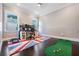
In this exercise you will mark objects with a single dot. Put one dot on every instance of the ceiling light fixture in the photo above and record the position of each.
(39, 4)
(18, 4)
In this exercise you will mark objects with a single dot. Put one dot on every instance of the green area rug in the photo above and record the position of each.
(61, 48)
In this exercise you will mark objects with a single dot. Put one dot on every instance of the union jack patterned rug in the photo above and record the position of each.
(18, 47)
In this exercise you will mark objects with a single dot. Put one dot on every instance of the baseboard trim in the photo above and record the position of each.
(67, 38)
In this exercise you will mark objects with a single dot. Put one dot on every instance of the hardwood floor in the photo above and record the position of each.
(38, 50)
(75, 49)
(4, 48)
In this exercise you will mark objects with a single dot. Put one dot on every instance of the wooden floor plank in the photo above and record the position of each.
(38, 50)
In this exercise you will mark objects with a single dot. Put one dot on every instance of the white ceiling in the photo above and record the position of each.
(33, 9)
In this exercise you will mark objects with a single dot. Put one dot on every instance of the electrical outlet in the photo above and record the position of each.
(62, 34)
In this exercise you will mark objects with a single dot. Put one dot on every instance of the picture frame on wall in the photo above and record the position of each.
(11, 23)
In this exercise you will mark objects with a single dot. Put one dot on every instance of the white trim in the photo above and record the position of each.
(0, 44)
(71, 39)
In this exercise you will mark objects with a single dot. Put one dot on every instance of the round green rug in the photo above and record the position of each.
(61, 48)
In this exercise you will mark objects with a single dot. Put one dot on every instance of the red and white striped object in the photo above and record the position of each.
(23, 45)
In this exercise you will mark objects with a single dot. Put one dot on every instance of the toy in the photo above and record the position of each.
(26, 32)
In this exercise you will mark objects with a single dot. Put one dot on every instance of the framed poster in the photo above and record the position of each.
(35, 22)
(11, 22)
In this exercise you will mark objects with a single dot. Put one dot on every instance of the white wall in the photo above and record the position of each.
(0, 21)
(23, 18)
(0, 26)
(62, 23)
